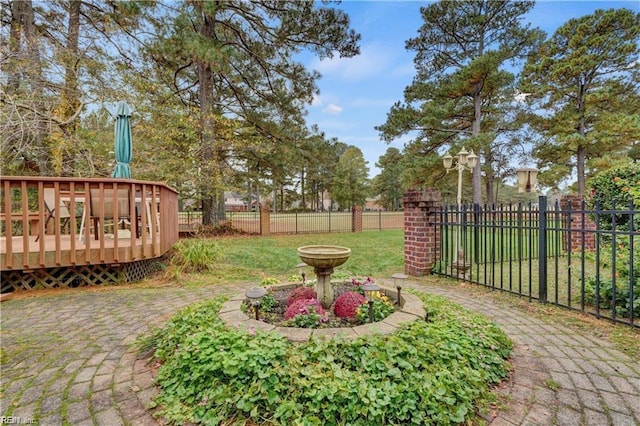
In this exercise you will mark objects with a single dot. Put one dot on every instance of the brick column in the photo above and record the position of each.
(574, 218)
(265, 218)
(356, 219)
(421, 235)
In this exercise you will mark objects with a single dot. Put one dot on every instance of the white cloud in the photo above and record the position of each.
(333, 109)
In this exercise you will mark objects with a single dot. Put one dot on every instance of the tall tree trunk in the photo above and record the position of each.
(581, 154)
(19, 19)
(475, 131)
(581, 160)
(207, 126)
(70, 102)
(25, 75)
(302, 189)
(489, 175)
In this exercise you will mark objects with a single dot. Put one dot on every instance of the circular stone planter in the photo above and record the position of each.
(412, 309)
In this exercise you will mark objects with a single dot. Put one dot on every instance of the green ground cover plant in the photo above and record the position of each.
(436, 372)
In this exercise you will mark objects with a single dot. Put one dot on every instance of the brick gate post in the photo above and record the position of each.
(356, 219)
(580, 228)
(421, 234)
(265, 218)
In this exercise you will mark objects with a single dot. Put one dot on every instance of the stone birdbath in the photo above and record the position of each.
(323, 259)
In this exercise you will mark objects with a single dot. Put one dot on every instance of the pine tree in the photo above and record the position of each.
(583, 87)
(239, 56)
(461, 91)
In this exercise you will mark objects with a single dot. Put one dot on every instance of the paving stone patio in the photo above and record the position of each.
(67, 359)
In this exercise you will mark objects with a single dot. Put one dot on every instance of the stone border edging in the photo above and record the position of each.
(412, 310)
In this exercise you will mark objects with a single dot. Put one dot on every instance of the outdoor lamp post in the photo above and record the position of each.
(370, 291)
(464, 161)
(398, 280)
(301, 267)
(255, 296)
(527, 178)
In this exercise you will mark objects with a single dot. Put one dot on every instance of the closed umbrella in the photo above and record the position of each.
(123, 144)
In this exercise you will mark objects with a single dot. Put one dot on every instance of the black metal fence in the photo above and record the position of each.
(586, 260)
(301, 222)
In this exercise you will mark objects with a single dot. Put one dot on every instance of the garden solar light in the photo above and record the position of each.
(370, 291)
(301, 266)
(398, 280)
(255, 296)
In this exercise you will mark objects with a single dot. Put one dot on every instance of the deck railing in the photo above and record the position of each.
(55, 221)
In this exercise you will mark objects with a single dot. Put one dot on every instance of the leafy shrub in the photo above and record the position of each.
(268, 302)
(301, 292)
(425, 373)
(295, 278)
(196, 255)
(267, 281)
(304, 307)
(600, 290)
(616, 187)
(346, 304)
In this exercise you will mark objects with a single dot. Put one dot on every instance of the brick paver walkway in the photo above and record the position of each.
(67, 359)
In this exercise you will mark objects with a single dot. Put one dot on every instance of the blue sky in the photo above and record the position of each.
(356, 93)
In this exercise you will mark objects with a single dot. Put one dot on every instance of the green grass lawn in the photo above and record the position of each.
(375, 253)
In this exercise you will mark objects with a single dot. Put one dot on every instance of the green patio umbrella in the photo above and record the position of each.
(123, 144)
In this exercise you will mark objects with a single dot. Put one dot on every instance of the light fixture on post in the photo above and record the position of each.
(398, 280)
(301, 267)
(255, 296)
(464, 161)
(527, 178)
(370, 291)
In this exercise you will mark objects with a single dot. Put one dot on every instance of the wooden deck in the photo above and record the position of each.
(71, 251)
(37, 238)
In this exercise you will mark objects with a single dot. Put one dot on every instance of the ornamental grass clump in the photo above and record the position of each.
(347, 303)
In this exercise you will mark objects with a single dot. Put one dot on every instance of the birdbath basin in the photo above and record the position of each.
(323, 259)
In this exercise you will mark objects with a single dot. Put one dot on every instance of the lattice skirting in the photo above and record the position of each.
(77, 276)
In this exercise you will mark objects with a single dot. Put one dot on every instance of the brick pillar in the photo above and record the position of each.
(421, 235)
(573, 218)
(265, 218)
(356, 219)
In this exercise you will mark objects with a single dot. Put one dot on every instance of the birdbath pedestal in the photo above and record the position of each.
(324, 258)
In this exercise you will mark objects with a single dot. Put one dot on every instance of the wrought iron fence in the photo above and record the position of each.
(301, 222)
(583, 259)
